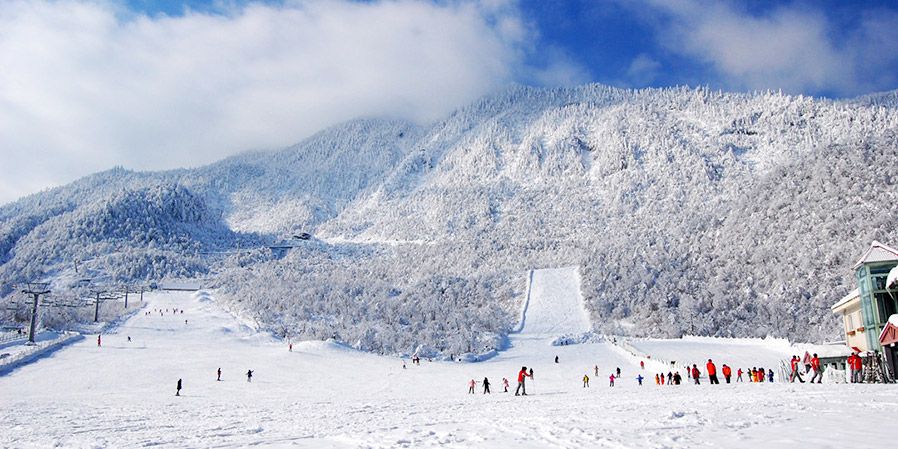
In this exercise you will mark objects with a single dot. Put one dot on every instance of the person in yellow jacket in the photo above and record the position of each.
(585, 381)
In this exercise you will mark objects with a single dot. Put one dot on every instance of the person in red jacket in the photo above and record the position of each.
(695, 373)
(522, 375)
(818, 373)
(795, 374)
(727, 372)
(712, 372)
(739, 375)
(857, 368)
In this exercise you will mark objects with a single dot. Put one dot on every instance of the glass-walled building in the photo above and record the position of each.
(872, 299)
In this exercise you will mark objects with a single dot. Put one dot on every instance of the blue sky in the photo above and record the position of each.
(158, 84)
(624, 42)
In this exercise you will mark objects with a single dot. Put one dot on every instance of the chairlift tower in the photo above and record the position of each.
(35, 289)
(102, 295)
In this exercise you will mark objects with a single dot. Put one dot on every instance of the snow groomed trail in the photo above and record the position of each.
(554, 305)
(323, 395)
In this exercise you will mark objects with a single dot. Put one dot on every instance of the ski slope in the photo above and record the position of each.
(324, 395)
(554, 305)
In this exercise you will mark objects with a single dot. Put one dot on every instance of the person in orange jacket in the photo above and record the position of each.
(712, 372)
(727, 372)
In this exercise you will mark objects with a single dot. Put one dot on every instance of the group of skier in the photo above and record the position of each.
(249, 378)
(755, 374)
(521, 390)
(813, 364)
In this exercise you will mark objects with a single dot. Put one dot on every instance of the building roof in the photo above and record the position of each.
(856, 293)
(889, 333)
(829, 351)
(878, 252)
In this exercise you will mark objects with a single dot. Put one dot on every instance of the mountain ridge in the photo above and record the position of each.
(670, 200)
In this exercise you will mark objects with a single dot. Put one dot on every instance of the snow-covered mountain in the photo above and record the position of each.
(688, 211)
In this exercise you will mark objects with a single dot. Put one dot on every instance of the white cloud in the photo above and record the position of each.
(87, 85)
(643, 70)
(791, 47)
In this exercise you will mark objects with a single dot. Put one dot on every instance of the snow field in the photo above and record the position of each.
(323, 395)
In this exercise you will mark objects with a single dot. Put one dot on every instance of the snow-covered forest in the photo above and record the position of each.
(688, 211)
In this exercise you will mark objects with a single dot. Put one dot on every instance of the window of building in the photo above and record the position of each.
(879, 282)
(886, 306)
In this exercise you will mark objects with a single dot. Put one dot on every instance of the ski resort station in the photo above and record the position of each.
(869, 311)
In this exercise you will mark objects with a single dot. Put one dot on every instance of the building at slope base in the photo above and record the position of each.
(888, 338)
(866, 310)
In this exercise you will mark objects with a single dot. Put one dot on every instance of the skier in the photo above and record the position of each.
(712, 372)
(762, 376)
(597, 370)
(471, 386)
(585, 381)
(556, 359)
(695, 373)
(178, 393)
(618, 371)
(727, 372)
(531, 372)
(642, 364)
(818, 372)
(662, 378)
(129, 339)
(486, 386)
(611, 380)
(219, 375)
(99, 341)
(795, 374)
(290, 347)
(770, 375)
(249, 376)
(505, 384)
(522, 375)
(657, 379)
(639, 379)
(669, 378)
(677, 378)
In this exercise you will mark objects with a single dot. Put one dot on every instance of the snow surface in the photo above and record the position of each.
(737, 353)
(892, 277)
(554, 305)
(324, 395)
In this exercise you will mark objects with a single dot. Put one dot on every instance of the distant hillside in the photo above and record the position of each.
(688, 211)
